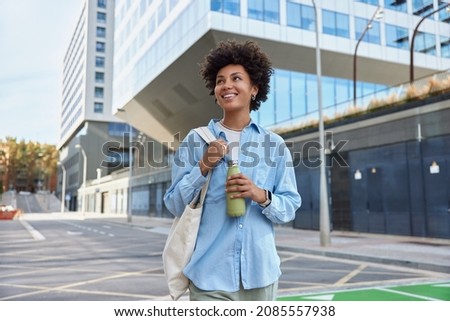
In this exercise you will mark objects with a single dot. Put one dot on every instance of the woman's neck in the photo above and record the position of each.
(235, 123)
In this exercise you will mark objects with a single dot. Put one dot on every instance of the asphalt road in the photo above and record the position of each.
(88, 260)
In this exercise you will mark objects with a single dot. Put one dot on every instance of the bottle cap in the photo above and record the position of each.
(232, 162)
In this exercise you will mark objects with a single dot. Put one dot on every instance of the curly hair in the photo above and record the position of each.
(249, 55)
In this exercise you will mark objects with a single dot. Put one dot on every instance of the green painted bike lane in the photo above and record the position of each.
(412, 292)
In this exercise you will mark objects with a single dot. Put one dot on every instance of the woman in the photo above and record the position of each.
(235, 257)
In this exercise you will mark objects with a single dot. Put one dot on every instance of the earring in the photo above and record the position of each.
(253, 97)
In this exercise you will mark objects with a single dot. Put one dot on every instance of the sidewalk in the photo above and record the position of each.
(413, 252)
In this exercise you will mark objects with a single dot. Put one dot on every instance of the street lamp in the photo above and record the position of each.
(411, 53)
(324, 209)
(130, 168)
(83, 203)
(378, 14)
(63, 189)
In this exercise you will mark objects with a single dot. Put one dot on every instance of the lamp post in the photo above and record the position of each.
(130, 168)
(378, 14)
(83, 203)
(324, 208)
(411, 53)
(63, 188)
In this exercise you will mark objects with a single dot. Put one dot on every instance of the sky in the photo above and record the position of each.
(34, 36)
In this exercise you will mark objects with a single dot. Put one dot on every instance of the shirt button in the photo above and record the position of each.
(240, 225)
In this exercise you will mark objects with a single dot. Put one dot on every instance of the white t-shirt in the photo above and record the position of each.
(233, 137)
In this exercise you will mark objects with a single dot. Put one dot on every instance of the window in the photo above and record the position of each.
(99, 77)
(101, 3)
(173, 4)
(161, 12)
(266, 10)
(425, 43)
(99, 62)
(267, 110)
(99, 92)
(117, 129)
(98, 107)
(444, 14)
(397, 37)
(101, 17)
(343, 92)
(101, 32)
(312, 103)
(445, 47)
(336, 24)
(226, 6)
(397, 5)
(294, 95)
(329, 87)
(100, 46)
(300, 16)
(115, 157)
(298, 92)
(423, 7)
(372, 2)
(372, 35)
(151, 26)
(282, 90)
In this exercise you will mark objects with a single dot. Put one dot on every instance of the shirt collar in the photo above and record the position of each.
(219, 132)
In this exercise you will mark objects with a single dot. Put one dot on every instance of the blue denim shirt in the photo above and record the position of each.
(231, 250)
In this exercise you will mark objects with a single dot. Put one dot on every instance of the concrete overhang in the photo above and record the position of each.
(177, 100)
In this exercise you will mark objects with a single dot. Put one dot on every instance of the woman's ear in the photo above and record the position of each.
(255, 91)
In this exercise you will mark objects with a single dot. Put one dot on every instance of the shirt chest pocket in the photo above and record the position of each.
(264, 174)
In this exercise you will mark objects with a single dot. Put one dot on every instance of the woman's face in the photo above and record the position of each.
(234, 89)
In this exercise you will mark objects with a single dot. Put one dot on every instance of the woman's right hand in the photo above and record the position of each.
(214, 153)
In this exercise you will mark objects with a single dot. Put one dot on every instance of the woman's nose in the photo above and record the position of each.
(227, 84)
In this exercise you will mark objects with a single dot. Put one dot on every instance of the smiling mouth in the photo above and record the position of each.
(229, 96)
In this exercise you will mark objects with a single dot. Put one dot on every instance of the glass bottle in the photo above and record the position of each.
(235, 206)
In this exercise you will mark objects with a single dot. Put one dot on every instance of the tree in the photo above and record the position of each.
(28, 166)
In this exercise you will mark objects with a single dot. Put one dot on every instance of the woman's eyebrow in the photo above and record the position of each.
(232, 74)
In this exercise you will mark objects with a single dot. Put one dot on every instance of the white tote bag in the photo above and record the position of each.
(182, 237)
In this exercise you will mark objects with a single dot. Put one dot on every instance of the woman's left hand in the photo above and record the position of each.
(245, 188)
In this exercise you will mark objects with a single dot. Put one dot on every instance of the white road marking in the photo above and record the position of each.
(325, 297)
(408, 294)
(34, 233)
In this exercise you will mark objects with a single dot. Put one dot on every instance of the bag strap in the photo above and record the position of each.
(205, 133)
(208, 137)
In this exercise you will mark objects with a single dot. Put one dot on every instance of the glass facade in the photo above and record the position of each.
(373, 32)
(300, 16)
(445, 46)
(226, 6)
(422, 7)
(397, 37)
(265, 10)
(293, 94)
(372, 2)
(396, 5)
(336, 24)
(425, 43)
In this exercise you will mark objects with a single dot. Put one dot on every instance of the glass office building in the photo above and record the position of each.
(156, 39)
(158, 45)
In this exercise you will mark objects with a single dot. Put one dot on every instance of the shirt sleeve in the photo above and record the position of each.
(285, 197)
(187, 179)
